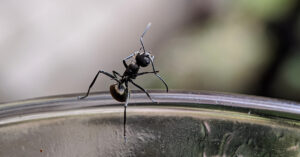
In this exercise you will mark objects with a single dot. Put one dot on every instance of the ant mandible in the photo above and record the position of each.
(119, 91)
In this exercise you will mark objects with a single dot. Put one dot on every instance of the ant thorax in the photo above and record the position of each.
(133, 67)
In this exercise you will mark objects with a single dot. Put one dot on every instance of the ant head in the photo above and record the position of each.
(144, 59)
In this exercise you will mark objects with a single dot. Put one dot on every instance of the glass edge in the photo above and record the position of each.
(96, 99)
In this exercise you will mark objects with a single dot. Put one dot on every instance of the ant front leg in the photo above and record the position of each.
(93, 82)
(154, 71)
(143, 73)
(130, 56)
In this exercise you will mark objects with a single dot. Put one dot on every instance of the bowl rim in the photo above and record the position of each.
(98, 99)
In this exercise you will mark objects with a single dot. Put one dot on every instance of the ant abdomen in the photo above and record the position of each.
(118, 92)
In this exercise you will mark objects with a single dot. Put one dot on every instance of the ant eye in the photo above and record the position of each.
(147, 60)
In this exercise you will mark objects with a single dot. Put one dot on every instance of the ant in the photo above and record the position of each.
(119, 91)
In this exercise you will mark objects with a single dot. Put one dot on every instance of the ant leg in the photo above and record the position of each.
(91, 85)
(125, 107)
(141, 88)
(116, 74)
(130, 56)
(154, 71)
(143, 73)
(141, 39)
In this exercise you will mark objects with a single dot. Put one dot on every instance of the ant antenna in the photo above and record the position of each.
(146, 29)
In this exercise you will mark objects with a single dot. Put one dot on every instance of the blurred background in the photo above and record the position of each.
(240, 46)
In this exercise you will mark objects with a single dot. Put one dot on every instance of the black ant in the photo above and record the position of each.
(119, 90)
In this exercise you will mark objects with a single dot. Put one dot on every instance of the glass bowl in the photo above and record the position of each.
(180, 123)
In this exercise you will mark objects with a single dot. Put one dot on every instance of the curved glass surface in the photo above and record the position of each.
(178, 124)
